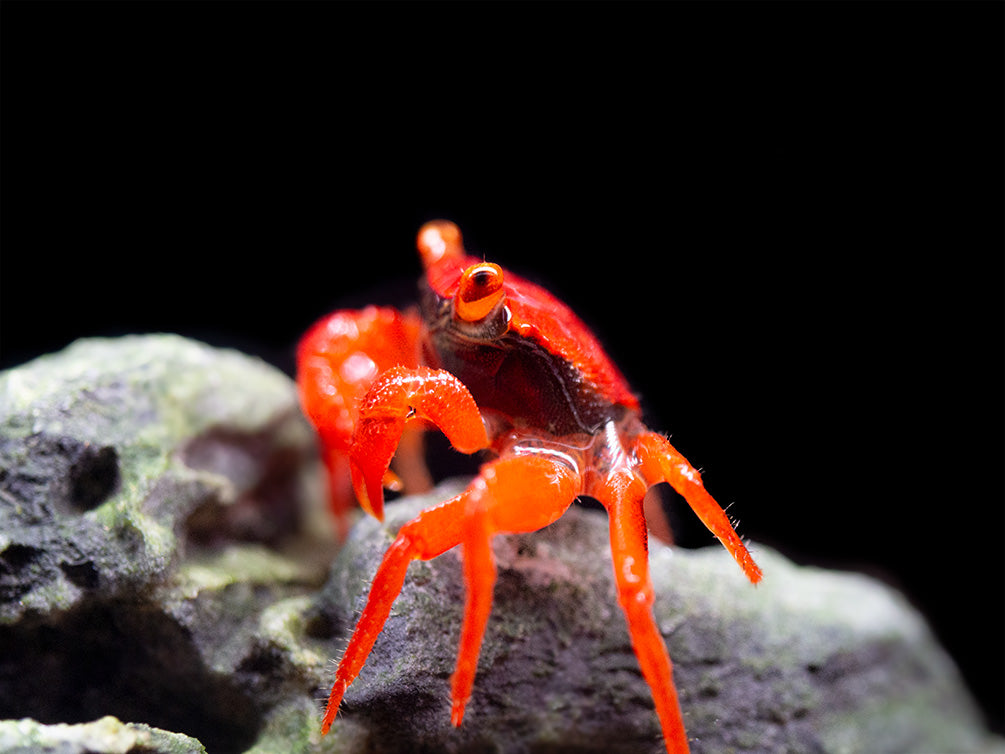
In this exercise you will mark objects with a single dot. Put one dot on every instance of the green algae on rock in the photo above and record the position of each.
(114, 451)
(155, 499)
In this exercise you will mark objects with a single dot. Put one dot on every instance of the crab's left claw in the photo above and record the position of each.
(398, 396)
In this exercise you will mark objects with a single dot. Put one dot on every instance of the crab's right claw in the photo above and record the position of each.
(396, 397)
(373, 446)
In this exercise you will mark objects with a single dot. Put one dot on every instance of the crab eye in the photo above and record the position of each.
(481, 288)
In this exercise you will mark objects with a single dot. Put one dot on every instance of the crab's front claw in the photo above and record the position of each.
(398, 396)
(369, 459)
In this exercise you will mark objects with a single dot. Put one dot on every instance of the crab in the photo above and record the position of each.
(499, 366)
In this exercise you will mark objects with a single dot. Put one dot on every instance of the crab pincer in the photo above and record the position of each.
(398, 396)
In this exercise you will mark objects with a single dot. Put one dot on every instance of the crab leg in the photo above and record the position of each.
(479, 580)
(517, 493)
(430, 534)
(660, 462)
(622, 493)
(514, 494)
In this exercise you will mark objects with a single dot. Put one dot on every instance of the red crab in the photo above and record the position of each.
(499, 365)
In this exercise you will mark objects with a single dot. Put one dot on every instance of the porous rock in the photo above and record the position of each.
(153, 511)
(808, 661)
(159, 564)
(115, 454)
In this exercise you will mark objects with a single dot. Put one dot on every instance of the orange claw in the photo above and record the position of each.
(337, 360)
(396, 397)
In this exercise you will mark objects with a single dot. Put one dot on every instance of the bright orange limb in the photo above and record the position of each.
(431, 533)
(514, 494)
(398, 396)
(660, 462)
(337, 360)
(479, 580)
(340, 495)
(517, 493)
(623, 494)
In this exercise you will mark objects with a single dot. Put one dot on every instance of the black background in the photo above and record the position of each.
(785, 222)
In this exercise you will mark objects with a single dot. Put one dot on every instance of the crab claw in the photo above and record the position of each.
(398, 396)
(369, 459)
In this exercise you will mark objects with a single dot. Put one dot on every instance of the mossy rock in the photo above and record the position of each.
(158, 497)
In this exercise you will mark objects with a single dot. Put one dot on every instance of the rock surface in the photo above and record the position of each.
(809, 661)
(115, 454)
(159, 563)
(152, 492)
(105, 735)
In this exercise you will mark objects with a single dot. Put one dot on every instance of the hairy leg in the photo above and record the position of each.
(514, 494)
(660, 462)
(429, 534)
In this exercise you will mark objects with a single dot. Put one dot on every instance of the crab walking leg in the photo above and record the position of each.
(518, 493)
(479, 580)
(660, 462)
(630, 553)
(340, 495)
(521, 493)
(429, 534)
(396, 397)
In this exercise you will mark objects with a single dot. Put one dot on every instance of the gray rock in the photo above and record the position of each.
(105, 735)
(152, 508)
(116, 453)
(164, 559)
(809, 661)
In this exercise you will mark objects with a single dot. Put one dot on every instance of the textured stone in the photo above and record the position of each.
(114, 454)
(153, 507)
(808, 661)
(107, 735)
(164, 560)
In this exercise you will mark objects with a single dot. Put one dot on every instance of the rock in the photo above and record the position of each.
(153, 508)
(809, 661)
(114, 454)
(162, 561)
(104, 735)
